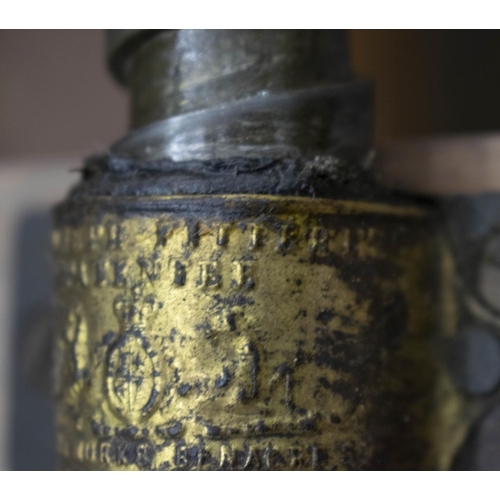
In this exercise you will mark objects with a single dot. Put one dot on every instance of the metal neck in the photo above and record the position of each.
(204, 94)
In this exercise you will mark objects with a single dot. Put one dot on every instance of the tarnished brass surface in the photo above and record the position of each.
(246, 332)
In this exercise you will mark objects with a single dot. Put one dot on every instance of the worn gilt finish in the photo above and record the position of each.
(295, 338)
(237, 290)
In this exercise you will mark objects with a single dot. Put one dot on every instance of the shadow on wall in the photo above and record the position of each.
(32, 427)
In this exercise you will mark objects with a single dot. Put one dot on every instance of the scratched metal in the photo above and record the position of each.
(270, 333)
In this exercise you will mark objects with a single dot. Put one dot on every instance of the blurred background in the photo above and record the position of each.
(437, 123)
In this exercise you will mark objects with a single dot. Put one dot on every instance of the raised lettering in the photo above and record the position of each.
(209, 276)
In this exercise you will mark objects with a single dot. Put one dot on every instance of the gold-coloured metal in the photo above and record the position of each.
(247, 332)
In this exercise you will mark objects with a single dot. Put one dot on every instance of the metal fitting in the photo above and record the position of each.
(237, 289)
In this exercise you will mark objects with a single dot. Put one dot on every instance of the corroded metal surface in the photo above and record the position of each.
(237, 289)
(246, 332)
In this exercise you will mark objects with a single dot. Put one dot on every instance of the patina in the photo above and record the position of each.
(237, 290)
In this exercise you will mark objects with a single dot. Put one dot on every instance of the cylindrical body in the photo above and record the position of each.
(237, 291)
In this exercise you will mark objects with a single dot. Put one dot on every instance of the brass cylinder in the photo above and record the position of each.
(237, 291)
